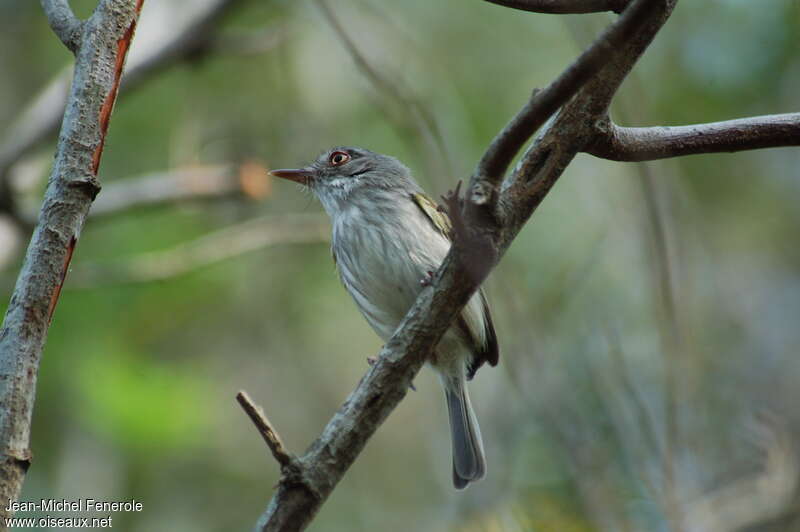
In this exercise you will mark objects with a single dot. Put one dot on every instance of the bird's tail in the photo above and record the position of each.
(469, 462)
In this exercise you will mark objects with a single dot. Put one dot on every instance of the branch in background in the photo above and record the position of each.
(201, 182)
(63, 22)
(208, 249)
(474, 252)
(247, 43)
(414, 116)
(564, 7)
(71, 189)
(40, 119)
(648, 143)
(754, 499)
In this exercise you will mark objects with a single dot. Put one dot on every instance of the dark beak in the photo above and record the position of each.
(298, 175)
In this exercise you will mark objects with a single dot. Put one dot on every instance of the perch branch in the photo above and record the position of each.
(564, 7)
(633, 144)
(63, 22)
(71, 189)
(263, 426)
(473, 254)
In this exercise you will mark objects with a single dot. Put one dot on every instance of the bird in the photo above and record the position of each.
(388, 237)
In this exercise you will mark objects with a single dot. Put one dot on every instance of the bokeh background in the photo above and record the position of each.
(647, 315)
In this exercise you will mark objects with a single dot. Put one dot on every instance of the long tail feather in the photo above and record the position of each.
(469, 462)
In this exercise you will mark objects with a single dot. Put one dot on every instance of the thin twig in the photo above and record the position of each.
(183, 184)
(649, 143)
(270, 435)
(564, 7)
(63, 22)
(233, 241)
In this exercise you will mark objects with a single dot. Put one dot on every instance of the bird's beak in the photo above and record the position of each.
(298, 175)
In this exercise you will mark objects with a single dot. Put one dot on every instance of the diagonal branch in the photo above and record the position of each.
(564, 7)
(71, 189)
(183, 184)
(211, 248)
(63, 22)
(648, 143)
(264, 427)
(473, 254)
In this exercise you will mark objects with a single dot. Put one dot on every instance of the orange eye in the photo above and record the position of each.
(338, 158)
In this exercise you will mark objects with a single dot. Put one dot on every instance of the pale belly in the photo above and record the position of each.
(384, 271)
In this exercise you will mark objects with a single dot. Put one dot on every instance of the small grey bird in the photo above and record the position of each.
(388, 239)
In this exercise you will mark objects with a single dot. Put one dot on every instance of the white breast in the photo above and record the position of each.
(387, 260)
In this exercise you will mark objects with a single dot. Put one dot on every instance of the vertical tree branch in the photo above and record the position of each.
(73, 185)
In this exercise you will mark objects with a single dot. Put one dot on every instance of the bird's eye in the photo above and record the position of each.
(338, 158)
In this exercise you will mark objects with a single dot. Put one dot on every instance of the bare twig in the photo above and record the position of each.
(63, 22)
(72, 187)
(208, 249)
(564, 7)
(648, 143)
(192, 183)
(270, 435)
(174, 186)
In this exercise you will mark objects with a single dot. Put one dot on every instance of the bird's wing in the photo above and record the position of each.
(488, 352)
(434, 213)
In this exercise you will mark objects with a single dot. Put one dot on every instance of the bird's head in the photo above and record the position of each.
(345, 173)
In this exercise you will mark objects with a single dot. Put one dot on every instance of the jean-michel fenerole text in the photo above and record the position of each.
(78, 505)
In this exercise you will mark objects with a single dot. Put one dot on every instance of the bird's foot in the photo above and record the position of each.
(428, 279)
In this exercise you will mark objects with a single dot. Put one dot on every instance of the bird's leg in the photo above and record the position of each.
(428, 279)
